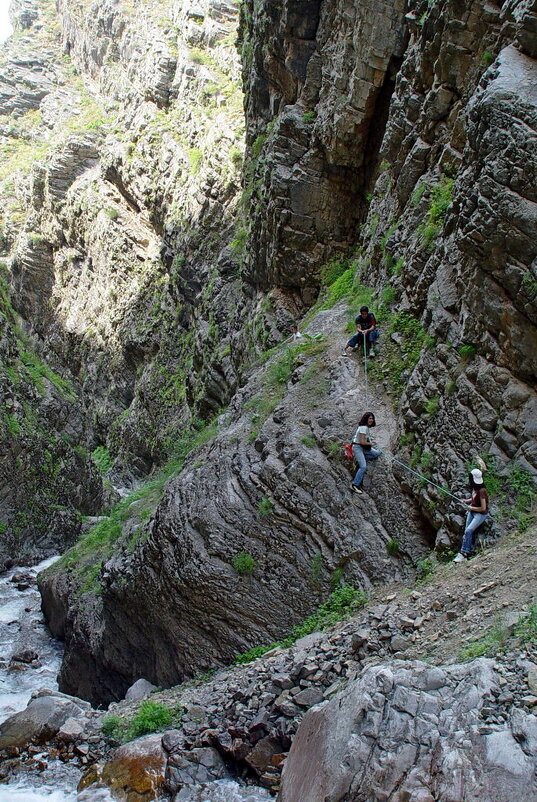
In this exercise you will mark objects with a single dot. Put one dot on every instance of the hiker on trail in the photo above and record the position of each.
(295, 334)
(478, 512)
(366, 326)
(363, 450)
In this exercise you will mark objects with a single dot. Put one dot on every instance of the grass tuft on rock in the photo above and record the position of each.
(341, 603)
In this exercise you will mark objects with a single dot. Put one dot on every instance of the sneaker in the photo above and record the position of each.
(372, 352)
(356, 489)
(460, 558)
(344, 352)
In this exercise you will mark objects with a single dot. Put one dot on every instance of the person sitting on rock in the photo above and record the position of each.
(363, 450)
(478, 512)
(295, 333)
(366, 326)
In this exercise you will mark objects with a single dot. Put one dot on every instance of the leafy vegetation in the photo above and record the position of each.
(265, 506)
(441, 197)
(399, 358)
(424, 568)
(513, 493)
(526, 629)
(467, 352)
(37, 371)
(150, 717)
(102, 457)
(393, 548)
(432, 405)
(489, 644)
(341, 603)
(244, 563)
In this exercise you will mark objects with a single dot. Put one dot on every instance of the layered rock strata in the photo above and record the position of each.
(451, 229)
(269, 489)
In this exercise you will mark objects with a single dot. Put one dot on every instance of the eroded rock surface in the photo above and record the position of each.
(406, 730)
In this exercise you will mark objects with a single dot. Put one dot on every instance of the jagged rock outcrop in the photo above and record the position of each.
(319, 79)
(409, 731)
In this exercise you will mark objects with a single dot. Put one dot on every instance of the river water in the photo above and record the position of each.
(22, 627)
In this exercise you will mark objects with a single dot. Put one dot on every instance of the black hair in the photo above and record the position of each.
(365, 417)
(364, 309)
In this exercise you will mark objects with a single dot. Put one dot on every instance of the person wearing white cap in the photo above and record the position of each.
(478, 512)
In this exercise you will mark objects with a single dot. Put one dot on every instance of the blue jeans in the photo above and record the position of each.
(473, 521)
(372, 338)
(361, 458)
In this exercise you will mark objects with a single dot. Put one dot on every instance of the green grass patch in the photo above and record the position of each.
(467, 352)
(37, 371)
(526, 629)
(309, 441)
(102, 457)
(341, 603)
(432, 405)
(150, 717)
(424, 569)
(492, 642)
(244, 564)
(265, 506)
(399, 357)
(441, 198)
(393, 548)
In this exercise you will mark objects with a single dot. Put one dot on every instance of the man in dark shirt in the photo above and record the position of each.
(366, 326)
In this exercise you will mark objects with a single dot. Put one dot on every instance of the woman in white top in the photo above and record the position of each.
(363, 450)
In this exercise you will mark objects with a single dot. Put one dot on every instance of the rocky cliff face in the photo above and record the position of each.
(319, 78)
(451, 231)
(396, 141)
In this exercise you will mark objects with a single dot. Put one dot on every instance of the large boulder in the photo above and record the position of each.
(408, 731)
(40, 722)
(134, 773)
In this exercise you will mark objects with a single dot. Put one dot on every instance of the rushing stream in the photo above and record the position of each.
(22, 628)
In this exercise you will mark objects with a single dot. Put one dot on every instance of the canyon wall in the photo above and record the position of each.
(159, 241)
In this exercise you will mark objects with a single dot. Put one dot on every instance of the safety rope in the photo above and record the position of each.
(394, 459)
(365, 372)
(424, 478)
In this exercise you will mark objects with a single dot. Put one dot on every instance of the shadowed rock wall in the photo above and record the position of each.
(318, 79)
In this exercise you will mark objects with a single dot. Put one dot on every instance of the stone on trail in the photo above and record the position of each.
(140, 689)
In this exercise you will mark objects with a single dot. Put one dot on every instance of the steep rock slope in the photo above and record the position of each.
(213, 511)
(47, 478)
(269, 487)
(319, 78)
(451, 230)
(122, 146)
